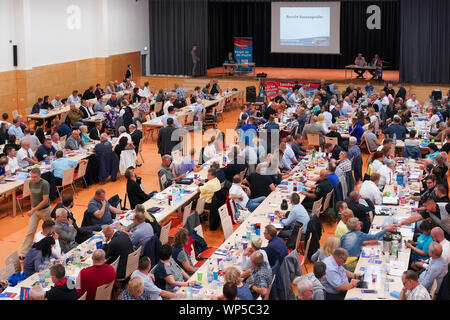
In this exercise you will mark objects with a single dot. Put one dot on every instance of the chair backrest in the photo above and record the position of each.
(26, 188)
(316, 206)
(82, 169)
(68, 177)
(104, 292)
(233, 209)
(15, 113)
(63, 117)
(332, 140)
(305, 256)
(199, 230)
(158, 106)
(190, 117)
(115, 264)
(13, 259)
(7, 272)
(299, 238)
(266, 297)
(63, 140)
(187, 212)
(164, 235)
(188, 101)
(163, 181)
(313, 139)
(225, 220)
(200, 205)
(83, 297)
(133, 262)
(326, 204)
(433, 289)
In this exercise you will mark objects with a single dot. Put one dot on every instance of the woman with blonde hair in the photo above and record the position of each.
(135, 290)
(374, 118)
(84, 134)
(233, 275)
(179, 254)
(321, 122)
(110, 88)
(331, 244)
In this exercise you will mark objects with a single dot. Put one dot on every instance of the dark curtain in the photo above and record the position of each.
(175, 26)
(425, 45)
(253, 19)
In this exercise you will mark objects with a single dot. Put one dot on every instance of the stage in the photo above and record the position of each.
(303, 74)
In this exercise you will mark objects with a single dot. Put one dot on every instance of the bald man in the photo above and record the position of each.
(305, 290)
(437, 268)
(25, 156)
(319, 191)
(439, 237)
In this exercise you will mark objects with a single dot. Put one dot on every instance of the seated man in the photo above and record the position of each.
(166, 170)
(241, 197)
(65, 230)
(353, 240)
(335, 150)
(346, 214)
(296, 146)
(297, 213)
(396, 129)
(118, 245)
(371, 138)
(360, 61)
(142, 231)
(412, 289)
(276, 248)
(316, 277)
(261, 277)
(25, 156)
(369, 189)
(63, 288)
(319, 191)
(387, 173)
(75, 116)
(90, 278)
(336, 278)
(437, 268)
(255, 246)
(362, 209)
(188, 164)
(74, 142)
(211, 185)
(334, 134)
(60, 164)
(101, 210)
(419, 248)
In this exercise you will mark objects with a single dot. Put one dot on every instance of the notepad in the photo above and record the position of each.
(390, 200)
(396, 272)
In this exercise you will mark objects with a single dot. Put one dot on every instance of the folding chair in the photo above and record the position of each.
(158, 107)
(25, 194)
(332, 140)
(317, 205)
(179, 223)
(266, 297)
(132, 263)
(66, 180)
(81, 173)
(115, 264)
(104, 292)
(305, 255)
(164, 235)
(225, 220)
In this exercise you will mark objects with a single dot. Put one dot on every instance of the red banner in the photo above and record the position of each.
(271, 87)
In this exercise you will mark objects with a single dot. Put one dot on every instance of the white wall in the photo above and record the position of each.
(6, 34)
(39, 28)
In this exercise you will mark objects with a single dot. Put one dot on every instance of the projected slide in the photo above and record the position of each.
(305, 26)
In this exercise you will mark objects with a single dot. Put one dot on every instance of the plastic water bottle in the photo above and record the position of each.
(372, 257)
(210, 272)
(41, 274)
(395, 248)
(394, 142)
(236, 242)
(386, 284)
(229, 251)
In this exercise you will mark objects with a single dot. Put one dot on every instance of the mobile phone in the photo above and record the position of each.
(368, 291)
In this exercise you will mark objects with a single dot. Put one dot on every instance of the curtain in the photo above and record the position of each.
(227, 19)
(175, 26)
(425, 45)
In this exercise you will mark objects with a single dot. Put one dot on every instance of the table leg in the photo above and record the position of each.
(14, 201)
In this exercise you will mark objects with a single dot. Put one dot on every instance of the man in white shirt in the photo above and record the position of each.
(369, 189)
(387, 173)
(57, 101)
(25, 156)
(289, 159)
(384, 100)
(413, 104)
(73, 98)
(144, 91)
(13, 164)
(123, 133)
(169, 103)
(32, 139)
(347, 108)
(56, 142)
(328, 117)
(48, 228)
(241, 196)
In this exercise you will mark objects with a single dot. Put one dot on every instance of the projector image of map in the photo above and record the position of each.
(306, 26)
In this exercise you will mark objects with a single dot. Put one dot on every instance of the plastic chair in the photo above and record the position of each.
(104, 292)
(225, 220)
(132, 263)
(332, 140)
(316, 206)
(164, 235)
(25, 194)
(115, 264)
(158, 107)
(81, 173)
(66, 180)
(266, 297)
(83, 297)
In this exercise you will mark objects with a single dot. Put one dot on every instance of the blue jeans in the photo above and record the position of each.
(252, 204)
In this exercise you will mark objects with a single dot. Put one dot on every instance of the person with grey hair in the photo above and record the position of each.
(25, 156)
(304, 289)
(396, 129)
(74, 142)
(333, 133)
(123, 133)
(315, 277)
(336, 280)
(104, 146)
(437, 268)
(199, 109)
(353, 240)
(37, 293)
(314, 127)
(261, 277)
(65, 229)
(166, 170)
(412, 289)
(437, 136)
(255, 246)
(169, 103)
(353, 149)
(90, 278)
(387, 173)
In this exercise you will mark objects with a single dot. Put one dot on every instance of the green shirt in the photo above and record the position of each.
(38, 190)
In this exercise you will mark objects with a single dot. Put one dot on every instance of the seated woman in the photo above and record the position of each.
(36, 255)
(168, 274)
(110, 117)
(134, 190)
(188, 163)
(434, 151)
(233, 275)
(122, 145)
(419, 249)
(3, 172)
(84, 134)
(179, 254)
(135, 290)
(331, 244)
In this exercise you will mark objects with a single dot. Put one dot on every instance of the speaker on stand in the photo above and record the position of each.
(251, 94)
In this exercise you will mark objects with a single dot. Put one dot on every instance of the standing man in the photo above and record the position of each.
(195, 59)
(129, 72)
(40, 207)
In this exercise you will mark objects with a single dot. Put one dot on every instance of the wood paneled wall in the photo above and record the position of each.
(20, 89)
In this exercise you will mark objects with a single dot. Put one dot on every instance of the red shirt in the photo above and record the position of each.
(93, 277)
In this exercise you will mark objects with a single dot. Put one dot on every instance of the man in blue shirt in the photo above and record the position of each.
(436, 270)
(45, 150)
(15, 129)
(297, 213)
(171, 114)
(332, 176)
(199, 108)
(62, 129)
(276, 249)
(60, 164)
(396, 129)
(251, 134)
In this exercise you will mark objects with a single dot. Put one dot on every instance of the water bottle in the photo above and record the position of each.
(249, 231)
(236, 242)
(386, 284)
(41, 274)
(372, 257)
(394, 142)
(395, 248)
(229, 251)
(210, 272)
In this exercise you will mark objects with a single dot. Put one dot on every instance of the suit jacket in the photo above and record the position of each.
(108, 165)
(127, 117)
(361, 212)
(73, 144)
(94, 134)
(135, 194)
(85, 112)
(314, 227)
(136, 137)
(89, 95)
(119, 246)
(165, 144)
(128, 74)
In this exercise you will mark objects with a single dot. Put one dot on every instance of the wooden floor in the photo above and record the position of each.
(304, 74)
(12, 230)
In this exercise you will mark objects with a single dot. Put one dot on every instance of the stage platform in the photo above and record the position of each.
(304, 74)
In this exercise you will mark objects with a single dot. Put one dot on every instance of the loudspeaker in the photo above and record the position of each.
(15, 55)
(251, 94)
